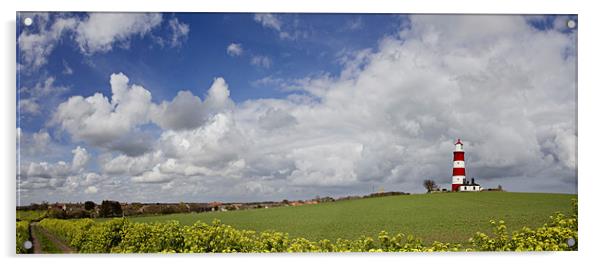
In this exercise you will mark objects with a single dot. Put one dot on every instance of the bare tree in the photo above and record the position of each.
(430, 185)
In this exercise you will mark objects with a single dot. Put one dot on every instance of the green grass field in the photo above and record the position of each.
(448, 217)
(30, 215)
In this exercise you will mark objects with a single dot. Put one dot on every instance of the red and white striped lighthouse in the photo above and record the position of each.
(459, 171)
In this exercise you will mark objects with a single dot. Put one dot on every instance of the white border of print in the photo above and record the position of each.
(588, 110)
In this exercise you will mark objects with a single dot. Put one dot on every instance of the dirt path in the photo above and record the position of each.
(37, 247)
(55, 241)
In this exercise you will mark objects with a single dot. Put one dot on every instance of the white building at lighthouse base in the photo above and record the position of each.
(470, 186)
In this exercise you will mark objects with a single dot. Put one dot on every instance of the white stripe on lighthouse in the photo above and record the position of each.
(458, 179)
(458, 164)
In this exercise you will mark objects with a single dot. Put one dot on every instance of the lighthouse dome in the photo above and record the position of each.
(459, 145)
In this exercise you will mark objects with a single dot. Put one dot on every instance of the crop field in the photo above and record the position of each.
(447, 217)
(30, 215)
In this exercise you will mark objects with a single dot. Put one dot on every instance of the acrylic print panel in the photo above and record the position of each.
(284, 132)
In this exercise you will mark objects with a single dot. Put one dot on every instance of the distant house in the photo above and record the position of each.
(215, 206)
(296, 203)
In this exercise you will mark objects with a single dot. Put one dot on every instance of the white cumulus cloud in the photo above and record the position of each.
(32, 99)
(99, 31)
(93, 33)
(91, 190)
(35, 47)
(268, 20)
(179, 32)
(98, 120)
(234, 49)
(80, 159)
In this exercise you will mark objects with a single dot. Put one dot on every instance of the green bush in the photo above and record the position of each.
(22, 236)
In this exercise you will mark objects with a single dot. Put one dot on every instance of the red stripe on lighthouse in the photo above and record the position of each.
(458, 156)
(458, 171)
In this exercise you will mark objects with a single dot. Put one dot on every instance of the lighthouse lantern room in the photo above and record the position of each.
(459, 182)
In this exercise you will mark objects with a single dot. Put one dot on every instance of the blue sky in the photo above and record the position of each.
(203, 55)
(282, 91)
(195, 62)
